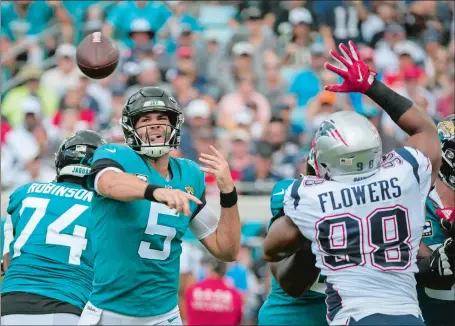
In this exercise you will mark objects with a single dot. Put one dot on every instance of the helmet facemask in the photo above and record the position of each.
(143, 139)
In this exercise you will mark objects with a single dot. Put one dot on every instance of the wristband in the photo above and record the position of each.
(390, 101)
(148, 194)
(228, 200)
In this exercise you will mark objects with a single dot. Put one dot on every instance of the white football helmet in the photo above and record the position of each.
(347, 147)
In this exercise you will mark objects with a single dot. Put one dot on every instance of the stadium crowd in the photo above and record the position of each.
(248, 75)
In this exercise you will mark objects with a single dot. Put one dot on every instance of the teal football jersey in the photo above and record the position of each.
(280, 308)
(51, 253)
(437, 305)
(138, 244)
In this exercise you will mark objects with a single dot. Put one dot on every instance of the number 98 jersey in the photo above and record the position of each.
(366, 235)
(51, 252)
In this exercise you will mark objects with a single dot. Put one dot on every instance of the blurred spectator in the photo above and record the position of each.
(149, 75)
(261, 168)
(16, 96)
(183, 90)
(66, 74)
(339, 21)
(113, 132)
(212, 301)
(26, 18)
(418, 94)
(101, 91)
(385, 58)
(319, 109)
(218, 16)
(141, 36)
(306, 85)
(197, 115)
(297, 51)
(180, 18)
(284, 152)
(384, 13)
(240, 157)
(282, 12)
(242, 64)
(273, 86)
(258, 35)
(24, 147)
(244, 97)
(73, 116)
(122, 15)
(446, 102)
(212, 65)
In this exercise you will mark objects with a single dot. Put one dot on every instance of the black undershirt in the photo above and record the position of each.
(23, 303)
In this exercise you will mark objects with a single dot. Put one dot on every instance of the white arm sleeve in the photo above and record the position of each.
(98, 175)
(204, 223)
(7, 234)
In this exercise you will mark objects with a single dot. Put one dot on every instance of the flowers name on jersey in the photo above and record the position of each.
(328, 129)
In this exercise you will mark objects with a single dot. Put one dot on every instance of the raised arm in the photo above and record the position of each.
(220, 235)
(358, 77)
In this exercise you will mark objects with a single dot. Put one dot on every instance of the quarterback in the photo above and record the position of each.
(144, 202)
(48, 249)
(364, 213)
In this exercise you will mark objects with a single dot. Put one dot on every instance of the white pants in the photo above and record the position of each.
(95, 316)
(48, 319)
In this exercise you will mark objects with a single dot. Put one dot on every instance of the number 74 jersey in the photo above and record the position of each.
(49, 244)
(366, 235)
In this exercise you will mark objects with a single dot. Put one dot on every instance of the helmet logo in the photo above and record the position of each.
(153, 103)
(328, 129)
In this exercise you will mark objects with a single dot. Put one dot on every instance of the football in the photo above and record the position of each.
(97, 56)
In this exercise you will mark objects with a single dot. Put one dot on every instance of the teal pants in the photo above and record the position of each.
(308, 314)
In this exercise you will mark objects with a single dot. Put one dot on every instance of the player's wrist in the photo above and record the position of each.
(149, 193)
(390, 101)
(229, 199)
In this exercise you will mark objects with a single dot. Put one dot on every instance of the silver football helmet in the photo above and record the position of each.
(347, 147)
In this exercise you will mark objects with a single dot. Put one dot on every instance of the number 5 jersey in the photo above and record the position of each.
(137, 244)
(366, 235)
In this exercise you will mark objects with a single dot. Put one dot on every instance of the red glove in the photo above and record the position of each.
(357, 76)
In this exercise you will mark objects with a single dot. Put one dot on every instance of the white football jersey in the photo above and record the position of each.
(366, 235)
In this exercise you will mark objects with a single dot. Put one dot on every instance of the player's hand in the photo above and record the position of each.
(219, 168)
(357, 76)
(443, 258)
(175, 198)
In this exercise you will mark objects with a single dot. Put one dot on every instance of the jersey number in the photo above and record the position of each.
(342, 237)
(77, 241)
(153, 228)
